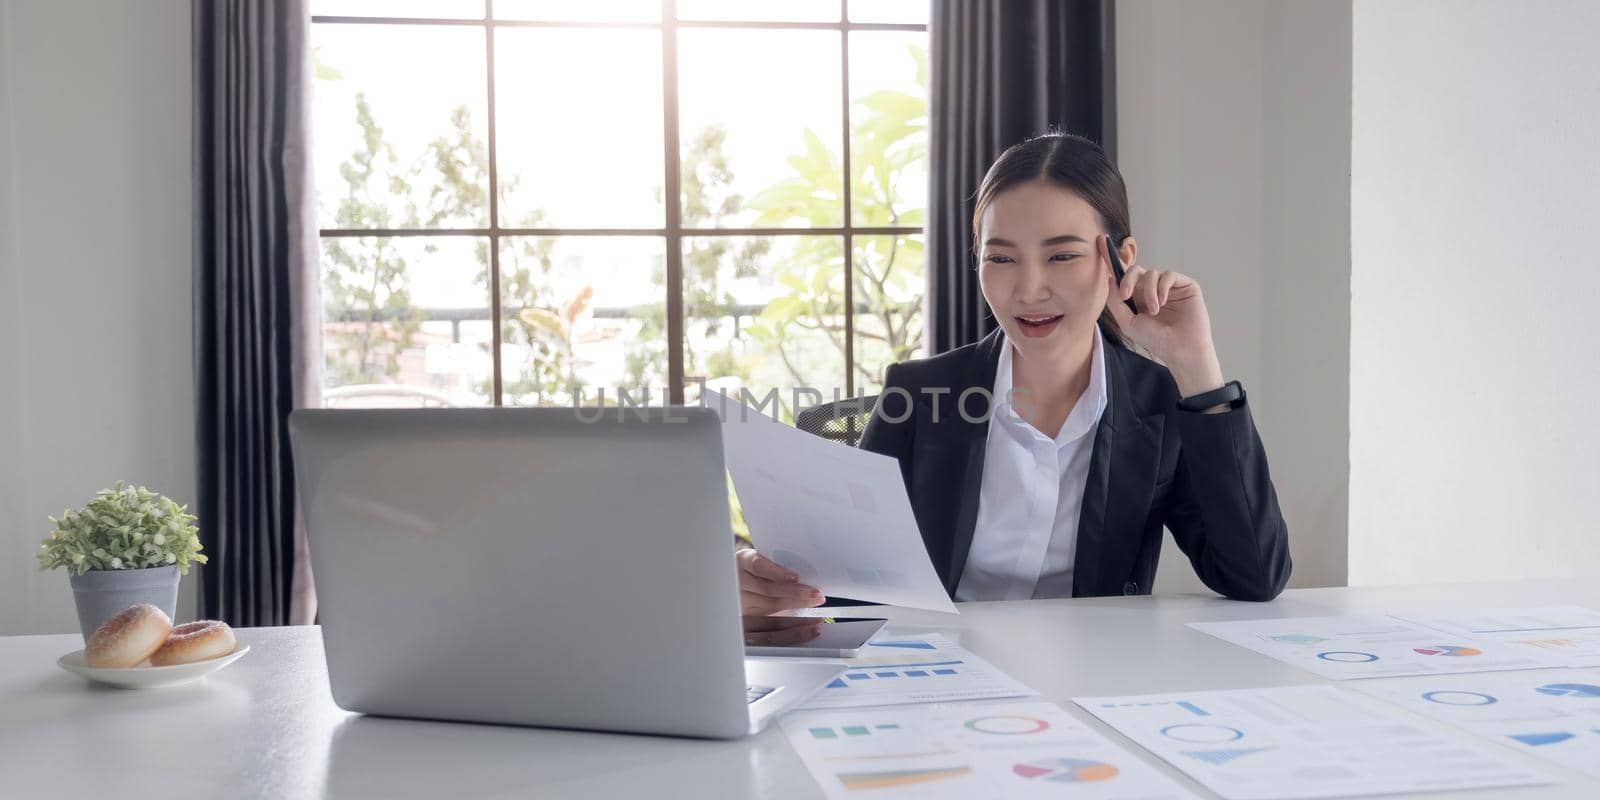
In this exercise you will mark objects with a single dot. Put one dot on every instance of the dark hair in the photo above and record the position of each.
(1073, 163)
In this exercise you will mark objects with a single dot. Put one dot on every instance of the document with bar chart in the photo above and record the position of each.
(922, 669)
(968, 750)
(1552, 714)
(1567, 634)
(1372, 646)
(1301, 742)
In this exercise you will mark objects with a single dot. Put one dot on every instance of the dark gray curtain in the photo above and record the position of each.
(254, 302)
(1003, 70)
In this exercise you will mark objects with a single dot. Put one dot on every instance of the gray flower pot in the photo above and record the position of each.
(103, 594)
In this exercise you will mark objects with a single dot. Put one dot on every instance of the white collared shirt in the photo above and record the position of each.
(1026, 537)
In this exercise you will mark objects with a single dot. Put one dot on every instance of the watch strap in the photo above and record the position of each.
(1231, 393)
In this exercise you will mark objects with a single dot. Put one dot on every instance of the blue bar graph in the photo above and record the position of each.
(852, 730)
(921, 671)
(919, 665)
(1183, 704)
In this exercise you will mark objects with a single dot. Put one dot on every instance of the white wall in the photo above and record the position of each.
(1233, 136)
(95, 342)
(14, 561)
(1474, 441)
(1304, 393)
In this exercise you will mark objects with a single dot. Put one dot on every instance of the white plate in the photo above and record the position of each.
(147, 677)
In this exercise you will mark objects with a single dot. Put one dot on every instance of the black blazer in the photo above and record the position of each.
(1204, 476)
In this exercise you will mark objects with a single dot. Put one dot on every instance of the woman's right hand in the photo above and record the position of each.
(767, 588)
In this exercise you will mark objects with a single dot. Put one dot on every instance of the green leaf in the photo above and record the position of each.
(110, 528)
(783, 308)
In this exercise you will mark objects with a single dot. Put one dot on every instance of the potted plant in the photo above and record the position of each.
(129, 545)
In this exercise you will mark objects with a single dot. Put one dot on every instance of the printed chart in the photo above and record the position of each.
(1551, 714)
(964, 750)
(1567, 635)
(1303, 742)
(923, 669)
(1373, 646)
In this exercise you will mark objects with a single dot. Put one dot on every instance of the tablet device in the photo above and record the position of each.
(827, 637)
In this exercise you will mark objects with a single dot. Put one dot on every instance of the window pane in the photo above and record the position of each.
(405, 321)
(579, 152)
(889, 286)
(761, 10)
(888, 127)
(765, 313)
(579, 10)
(760, 120)
(910, 11)
(583, 312)
(386, 119)
(427, 9)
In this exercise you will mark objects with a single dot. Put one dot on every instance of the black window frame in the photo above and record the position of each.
(672, 232)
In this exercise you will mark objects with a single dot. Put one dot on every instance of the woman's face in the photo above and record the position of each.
(1039, 268)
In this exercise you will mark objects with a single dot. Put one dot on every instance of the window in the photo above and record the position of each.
(528, 202)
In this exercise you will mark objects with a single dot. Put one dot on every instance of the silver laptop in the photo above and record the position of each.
(555, 566)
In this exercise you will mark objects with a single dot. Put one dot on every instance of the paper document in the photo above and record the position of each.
(1569, 636)
(922, 669)
(836, 515)
(1552, 714)
(1370, 646)
(969, 750)
(1304, 742)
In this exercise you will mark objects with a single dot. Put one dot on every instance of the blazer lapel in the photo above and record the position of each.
(1116, 495)
(974, 439)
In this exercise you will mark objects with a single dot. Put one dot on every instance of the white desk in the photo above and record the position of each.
(266, 726)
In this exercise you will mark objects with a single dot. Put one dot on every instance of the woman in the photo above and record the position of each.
(1061, 486)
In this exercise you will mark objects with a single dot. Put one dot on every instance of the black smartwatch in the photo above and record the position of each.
(1231, 393)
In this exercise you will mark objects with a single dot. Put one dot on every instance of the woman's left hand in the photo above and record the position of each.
(1172, 323)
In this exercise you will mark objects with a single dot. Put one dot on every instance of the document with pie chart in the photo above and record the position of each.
(1299, 742)
(1553, 714)
(969, 750)
(1373, 646)
(1568, 634)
